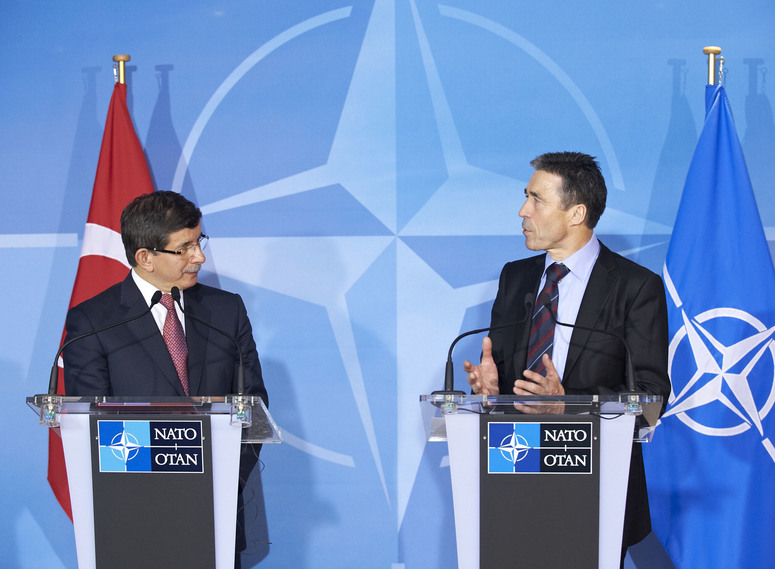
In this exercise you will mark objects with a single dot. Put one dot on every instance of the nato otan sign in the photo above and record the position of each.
(150, 446)
(539, 448)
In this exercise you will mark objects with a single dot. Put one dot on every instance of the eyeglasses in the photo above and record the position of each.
(188, 250)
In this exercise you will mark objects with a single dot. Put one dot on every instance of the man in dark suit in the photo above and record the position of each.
(564, 199)
(163, 241)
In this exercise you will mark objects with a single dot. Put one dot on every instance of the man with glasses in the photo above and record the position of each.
(164, 353)
(163, 241)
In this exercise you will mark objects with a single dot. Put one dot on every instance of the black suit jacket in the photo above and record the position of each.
(132, 359)
(621, 297)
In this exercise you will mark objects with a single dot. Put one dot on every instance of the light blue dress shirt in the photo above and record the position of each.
(571, 290)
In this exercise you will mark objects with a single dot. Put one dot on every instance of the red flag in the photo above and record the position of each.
(122, 175)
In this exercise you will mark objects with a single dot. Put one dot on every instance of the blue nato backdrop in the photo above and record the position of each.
(360, 166)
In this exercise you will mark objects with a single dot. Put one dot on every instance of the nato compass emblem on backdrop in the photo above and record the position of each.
(150, 446)
(370, 234)
(722, 364)
(539, 448)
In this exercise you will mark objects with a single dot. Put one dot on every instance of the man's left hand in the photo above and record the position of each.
(537, 384)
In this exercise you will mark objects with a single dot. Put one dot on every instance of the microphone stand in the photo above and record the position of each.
(52, 382)
(240, 408)
(628, 359)
(51, 402)
(449, 372)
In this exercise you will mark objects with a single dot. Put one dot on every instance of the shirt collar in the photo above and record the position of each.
(147, 290)
(581, 262)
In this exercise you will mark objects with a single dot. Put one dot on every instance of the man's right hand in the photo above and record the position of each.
(483, 378)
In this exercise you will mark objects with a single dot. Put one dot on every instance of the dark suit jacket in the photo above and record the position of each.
(622, 297)
(132, 359)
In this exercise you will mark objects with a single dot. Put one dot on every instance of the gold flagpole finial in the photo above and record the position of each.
(121, 60)
(711, 51)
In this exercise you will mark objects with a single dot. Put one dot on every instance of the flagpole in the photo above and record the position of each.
(711, 51)
(121, 59)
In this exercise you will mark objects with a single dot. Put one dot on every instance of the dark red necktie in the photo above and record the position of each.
(175, 340)
(542, 329)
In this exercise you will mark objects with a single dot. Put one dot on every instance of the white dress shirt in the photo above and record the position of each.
(158, 312)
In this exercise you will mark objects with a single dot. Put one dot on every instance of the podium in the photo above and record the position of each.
(154, 481)
(539, 482)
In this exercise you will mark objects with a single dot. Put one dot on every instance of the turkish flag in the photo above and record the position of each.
(122, 175)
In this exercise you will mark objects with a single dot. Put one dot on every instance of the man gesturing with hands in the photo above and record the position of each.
(584, 283)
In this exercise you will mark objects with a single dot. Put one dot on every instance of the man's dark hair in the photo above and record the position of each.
(582, 181)
(149, 220)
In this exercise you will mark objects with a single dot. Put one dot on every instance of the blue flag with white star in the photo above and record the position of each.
(711, 465)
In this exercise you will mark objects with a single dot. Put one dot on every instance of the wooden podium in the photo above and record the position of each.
(153, 481)
(539, 482)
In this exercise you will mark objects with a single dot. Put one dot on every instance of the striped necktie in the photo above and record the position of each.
(542, 328)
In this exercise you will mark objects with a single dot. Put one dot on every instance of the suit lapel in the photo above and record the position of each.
(196, 338)
(601, 281)
(146, 333)
(529, 283)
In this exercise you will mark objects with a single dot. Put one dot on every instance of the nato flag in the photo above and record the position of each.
(711, 465)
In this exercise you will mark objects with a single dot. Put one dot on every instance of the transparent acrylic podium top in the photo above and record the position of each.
(646, 408)
(248, 410)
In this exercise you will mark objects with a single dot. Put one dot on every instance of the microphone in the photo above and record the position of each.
(449, 373)
(175, 292)
(52, 382)
(547, 303)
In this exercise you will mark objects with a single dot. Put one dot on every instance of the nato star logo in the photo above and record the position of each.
(124, 446)
(514, 448)
(724, 381)
(390, 201)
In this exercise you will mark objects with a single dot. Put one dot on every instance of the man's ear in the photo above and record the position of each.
(144, 259)
(578, 214)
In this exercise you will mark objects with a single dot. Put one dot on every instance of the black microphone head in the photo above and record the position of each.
(529, 301)
(545, 300)
(175, 292)
(156, 298)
